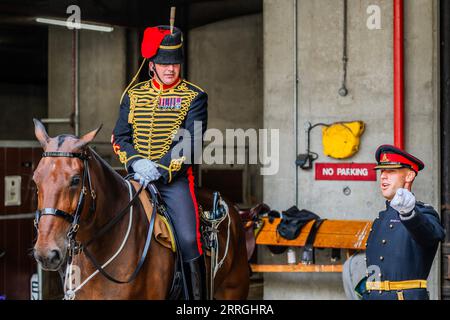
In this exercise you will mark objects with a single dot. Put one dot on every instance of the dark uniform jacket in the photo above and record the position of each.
(150, 116)
(403, 249)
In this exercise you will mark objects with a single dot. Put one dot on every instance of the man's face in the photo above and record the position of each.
(167, 73)
(393, 179)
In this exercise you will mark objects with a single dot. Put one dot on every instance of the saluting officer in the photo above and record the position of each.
(152, 113)
(404, 238)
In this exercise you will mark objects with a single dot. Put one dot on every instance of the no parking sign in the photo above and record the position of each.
(346, 171)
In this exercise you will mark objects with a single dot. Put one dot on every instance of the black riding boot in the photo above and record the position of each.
(195, 272)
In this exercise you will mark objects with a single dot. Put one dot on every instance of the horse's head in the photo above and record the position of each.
(59, 177)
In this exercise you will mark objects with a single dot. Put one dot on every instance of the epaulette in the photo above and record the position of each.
(426, 209)
(420, 203)
(193, 85)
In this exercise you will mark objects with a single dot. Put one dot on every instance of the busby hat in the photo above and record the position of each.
(391, 157)
(162, 46)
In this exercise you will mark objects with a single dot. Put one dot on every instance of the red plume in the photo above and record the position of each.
(152, 39)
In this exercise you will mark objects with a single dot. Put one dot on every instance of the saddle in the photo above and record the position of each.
(162, 231)
(252, 224)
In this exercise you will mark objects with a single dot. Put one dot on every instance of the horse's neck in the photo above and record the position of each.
(112, 189)
(112, 194)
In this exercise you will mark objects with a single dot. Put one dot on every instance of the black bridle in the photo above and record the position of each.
(76, 247)
(74, 218)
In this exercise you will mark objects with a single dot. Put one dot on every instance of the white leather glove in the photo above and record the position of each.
(146, 169)
(144, 181)
(404, 201)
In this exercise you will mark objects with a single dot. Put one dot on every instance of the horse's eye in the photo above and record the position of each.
(75, 181)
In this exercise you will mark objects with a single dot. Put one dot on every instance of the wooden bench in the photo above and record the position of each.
(350, 235)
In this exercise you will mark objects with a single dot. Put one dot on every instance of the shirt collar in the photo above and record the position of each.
(162, 87)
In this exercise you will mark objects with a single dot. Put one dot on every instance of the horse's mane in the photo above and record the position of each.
(105, 164)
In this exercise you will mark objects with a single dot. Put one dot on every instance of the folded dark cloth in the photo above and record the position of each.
(293, 220)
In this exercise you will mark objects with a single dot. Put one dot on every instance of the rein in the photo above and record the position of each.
(76, 247)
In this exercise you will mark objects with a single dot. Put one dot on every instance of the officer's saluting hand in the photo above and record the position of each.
(405, 236)
(404, 201)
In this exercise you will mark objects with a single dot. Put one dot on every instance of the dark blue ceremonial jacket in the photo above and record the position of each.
(401, 249)
(150, 118)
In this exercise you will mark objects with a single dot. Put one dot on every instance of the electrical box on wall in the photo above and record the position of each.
(13, 191)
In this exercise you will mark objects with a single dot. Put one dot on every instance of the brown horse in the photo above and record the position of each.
(60, 176)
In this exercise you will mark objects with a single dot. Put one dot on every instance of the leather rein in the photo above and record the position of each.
(75, 247)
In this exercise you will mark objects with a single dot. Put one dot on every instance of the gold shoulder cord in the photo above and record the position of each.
(134, 79)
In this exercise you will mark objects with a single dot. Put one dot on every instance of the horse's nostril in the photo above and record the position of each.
(54, 256)
(37, 256)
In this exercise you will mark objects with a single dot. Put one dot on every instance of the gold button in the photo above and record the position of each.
(381, 258)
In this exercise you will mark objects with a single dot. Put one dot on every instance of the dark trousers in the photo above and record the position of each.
(182, 207)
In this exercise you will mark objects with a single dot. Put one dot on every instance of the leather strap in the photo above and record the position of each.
(141, 260)
(78, 155)
(145, 201)
(55, 212)
(116, 219)
(308, 250)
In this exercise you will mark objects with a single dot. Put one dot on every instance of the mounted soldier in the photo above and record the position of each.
(146, 139)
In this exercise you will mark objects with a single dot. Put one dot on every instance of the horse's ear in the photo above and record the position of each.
(88, 137)
(41, 133)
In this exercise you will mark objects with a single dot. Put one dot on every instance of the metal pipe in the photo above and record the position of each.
(445, 140)
(56, 120)
(76, 80)
(296, 82)
(186, 36)
(399, 94)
